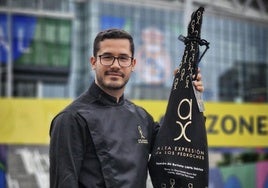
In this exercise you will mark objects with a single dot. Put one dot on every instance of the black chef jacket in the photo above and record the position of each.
(99, 143)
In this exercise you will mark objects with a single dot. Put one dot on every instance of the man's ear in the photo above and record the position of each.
(133, 64)
(93, 62)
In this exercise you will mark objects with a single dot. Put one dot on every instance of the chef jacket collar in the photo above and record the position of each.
(103, 97)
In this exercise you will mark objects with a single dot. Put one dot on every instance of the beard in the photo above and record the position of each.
(111, 84)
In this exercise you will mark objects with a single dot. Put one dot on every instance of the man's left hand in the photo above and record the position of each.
(198, 82)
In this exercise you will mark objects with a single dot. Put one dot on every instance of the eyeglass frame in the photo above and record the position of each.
(114, 57)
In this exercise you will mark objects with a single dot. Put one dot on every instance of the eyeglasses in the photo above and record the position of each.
(108, 60)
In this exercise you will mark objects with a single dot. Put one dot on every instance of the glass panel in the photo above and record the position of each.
(50, 31)
(64, 32)
(64, 54)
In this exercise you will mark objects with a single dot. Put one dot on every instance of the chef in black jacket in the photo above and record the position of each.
(102, 140)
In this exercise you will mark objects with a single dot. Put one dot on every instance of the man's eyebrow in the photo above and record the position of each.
(107, 53)
(123, 54)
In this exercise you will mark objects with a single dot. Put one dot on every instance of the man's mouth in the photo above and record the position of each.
(111, 73)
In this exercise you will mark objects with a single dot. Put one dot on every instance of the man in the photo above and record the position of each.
(101, 139)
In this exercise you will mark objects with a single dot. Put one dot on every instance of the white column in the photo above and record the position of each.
(39, 89)
(9, 85)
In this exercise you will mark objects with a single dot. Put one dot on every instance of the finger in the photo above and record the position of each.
(200, 88)
(199, 77)
(199, 85)
(175, 71)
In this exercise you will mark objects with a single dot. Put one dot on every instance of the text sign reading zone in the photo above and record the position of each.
(238, 125)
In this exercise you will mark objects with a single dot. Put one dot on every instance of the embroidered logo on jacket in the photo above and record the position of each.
(142, 139)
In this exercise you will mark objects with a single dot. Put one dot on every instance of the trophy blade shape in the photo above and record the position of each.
(180, 154)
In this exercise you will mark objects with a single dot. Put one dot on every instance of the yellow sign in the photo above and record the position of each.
(27, 121)
(237, 125)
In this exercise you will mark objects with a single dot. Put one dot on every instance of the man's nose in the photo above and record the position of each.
(116, 63)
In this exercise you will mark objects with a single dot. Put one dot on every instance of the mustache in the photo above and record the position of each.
(114, 72)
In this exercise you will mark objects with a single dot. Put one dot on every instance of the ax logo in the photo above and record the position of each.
(184, 105)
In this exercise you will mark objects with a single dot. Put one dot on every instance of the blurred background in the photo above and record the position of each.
(45, 46)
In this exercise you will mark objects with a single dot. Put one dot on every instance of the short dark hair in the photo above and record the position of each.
(112, 34)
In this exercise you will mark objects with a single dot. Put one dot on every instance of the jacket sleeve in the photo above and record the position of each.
(66, 149)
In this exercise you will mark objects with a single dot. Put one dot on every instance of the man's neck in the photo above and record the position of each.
(116, 93)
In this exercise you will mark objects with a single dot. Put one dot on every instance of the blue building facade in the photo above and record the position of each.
(234, 68)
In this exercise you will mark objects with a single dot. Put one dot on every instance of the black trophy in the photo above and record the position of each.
(180, 155)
